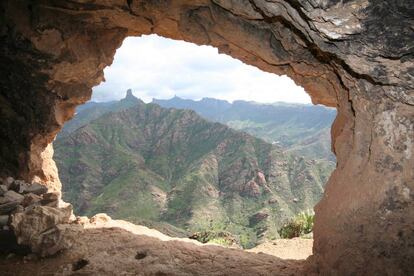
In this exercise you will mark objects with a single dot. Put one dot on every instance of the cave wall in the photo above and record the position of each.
(354, 55)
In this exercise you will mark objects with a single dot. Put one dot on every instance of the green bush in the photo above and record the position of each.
(218, 237)
(221, 241)
(299, 225)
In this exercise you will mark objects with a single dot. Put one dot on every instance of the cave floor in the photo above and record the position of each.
(112, 250)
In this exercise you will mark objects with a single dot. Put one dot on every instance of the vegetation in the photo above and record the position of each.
(172, 170)
(223, 238)
(298, 128)
(299, 225)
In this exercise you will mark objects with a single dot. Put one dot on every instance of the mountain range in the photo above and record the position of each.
(300, 128)
(173, 169)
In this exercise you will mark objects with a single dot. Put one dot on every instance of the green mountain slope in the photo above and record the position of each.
(92, 110)
(148, 163)
(302, 129)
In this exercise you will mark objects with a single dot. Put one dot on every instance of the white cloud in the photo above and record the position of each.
(156, 67)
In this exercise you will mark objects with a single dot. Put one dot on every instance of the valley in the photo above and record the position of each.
(173, 170)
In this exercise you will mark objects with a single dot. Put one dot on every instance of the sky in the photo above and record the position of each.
(157, 67)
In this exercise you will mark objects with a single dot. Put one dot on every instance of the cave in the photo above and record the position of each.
(354, 55)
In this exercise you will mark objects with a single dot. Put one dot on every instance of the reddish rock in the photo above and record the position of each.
(30, 199)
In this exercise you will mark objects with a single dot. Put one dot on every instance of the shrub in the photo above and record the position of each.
(221, 241)
(299, 225)
(218, 237)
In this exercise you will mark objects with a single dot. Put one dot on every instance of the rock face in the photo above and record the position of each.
(354, 55)
(42, 229)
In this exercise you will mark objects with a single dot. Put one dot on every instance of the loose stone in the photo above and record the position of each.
(31, 199)
(8, 207)
(4, 219)
(18, 186)
(13, 196)
(36, 188)
(3, 189)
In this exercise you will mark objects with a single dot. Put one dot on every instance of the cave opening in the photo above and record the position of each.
(54, 52)
(202, 146)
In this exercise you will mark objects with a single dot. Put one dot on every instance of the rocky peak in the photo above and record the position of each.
(130, 96)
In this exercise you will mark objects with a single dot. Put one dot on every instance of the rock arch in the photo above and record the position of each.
(355, 55)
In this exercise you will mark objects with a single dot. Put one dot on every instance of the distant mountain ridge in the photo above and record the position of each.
(301, 128)
(92, 110)
(140, 162)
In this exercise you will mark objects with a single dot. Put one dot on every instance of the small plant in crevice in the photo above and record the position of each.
(298, 226)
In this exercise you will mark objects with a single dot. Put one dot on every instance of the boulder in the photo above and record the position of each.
(4, 219)
(10, 196)
(82, 220)
(33, 226)
(8, 207)
(51, 199)
(56, 239)
(3, 189)
(100, 218)
(36, 188)
(8, 181)
(19, 209)
(18, 186)
(30, 199)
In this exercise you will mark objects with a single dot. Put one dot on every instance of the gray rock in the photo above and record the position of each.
(54, 204)
(3, 189)
(3, 200)
(6, 208)
(31, 199)
(18, 186)
(50, 198)
(19, 209)
(36, 188)
(40, 228)
(13, 196)
(4, 219)
(8, 181)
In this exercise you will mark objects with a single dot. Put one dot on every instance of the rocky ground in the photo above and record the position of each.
(293, 249)
(62, 244)
(110, 247)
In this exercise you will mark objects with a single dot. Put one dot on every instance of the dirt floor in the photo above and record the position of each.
(294, 249)
(121, 248)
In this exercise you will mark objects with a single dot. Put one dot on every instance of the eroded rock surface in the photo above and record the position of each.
(355, 55)
(137, 250)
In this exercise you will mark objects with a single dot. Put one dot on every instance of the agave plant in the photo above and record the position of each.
(299, 225)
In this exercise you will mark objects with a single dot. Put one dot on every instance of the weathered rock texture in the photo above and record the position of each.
(121, 248)
(355, 55)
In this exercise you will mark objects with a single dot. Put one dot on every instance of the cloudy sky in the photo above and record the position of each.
(156, 67)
